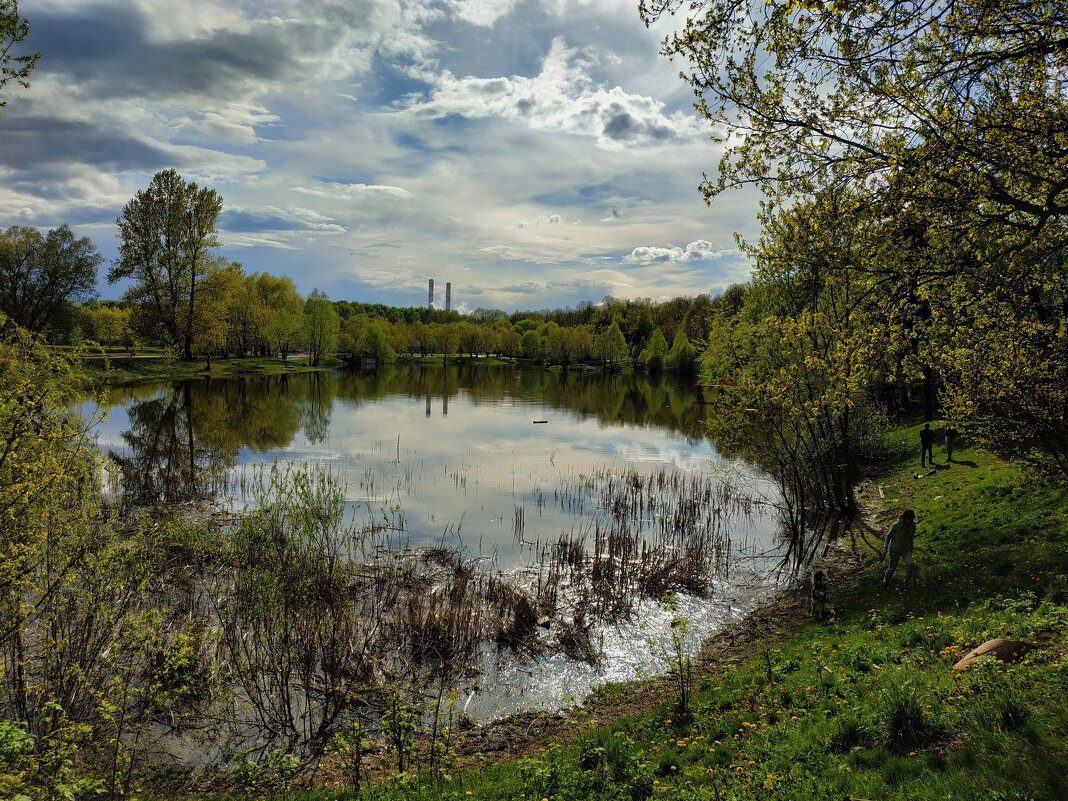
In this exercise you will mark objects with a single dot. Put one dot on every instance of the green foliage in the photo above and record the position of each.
(270, 776)
(682, 358)
(680, 663)
(919, 188)
(533, 345)
(375, 342)
(853, 95)
(611, 346)
(40, 275)
(654, 355)
(167, 234)
(43, 769)
(321, 327)
(13, 30)
(399, 724)
(803, 362)
(351, 745)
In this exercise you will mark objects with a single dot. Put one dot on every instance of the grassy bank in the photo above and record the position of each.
(121, 371)
(864, 705)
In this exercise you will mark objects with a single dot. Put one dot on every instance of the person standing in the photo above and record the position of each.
(927, 438)
(950, 434)
(897, 547)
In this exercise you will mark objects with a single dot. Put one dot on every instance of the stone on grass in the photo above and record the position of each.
(1005, 650)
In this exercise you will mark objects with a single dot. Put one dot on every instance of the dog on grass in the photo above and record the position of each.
(817, 597)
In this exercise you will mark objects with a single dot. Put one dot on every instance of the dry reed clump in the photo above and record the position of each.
(515, 615)
(657, 532)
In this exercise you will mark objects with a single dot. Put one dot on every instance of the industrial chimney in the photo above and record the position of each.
(430, 295)
(448, 296)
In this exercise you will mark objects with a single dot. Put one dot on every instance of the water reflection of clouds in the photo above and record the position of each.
(451, 454)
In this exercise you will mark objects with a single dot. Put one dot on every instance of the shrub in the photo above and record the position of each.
(906, 724)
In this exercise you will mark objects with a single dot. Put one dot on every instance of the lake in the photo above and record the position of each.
(504, 465)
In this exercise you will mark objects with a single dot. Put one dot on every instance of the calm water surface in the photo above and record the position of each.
(453, 456)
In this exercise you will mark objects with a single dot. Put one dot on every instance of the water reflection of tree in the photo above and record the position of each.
(630, 399)
(183, 442)
(808, 523)
(316, 401)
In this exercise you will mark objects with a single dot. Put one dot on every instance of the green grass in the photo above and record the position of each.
(864, 705)
(118, 371)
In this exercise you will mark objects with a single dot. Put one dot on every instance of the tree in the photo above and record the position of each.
(509, 342)
(106, 324)
(40, 275)
(580, 343)
(167, 234)
(682, 358)
(933, 101)
(446, 337)
(285, 309)
(321, 326)
(532, 345)
(13, 30)
(654, 355)
(375, 342)
(611, 346)
(558, 345)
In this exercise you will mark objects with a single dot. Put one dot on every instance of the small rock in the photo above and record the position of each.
(544, 622)
(1004, 650)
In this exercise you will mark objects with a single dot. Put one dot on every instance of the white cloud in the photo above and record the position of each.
(537, 222)
(481, 12)
(338, 190)
(695, 251)
(561, 98)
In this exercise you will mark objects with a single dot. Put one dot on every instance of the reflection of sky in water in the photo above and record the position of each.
(457, 475)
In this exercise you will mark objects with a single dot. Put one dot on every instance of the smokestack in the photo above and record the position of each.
(430, 295)
(448, 296)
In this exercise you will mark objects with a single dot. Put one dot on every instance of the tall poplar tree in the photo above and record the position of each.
(167, 234)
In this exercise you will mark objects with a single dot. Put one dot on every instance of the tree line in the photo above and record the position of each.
(184, 296)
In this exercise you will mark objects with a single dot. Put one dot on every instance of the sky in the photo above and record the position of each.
(534, 153)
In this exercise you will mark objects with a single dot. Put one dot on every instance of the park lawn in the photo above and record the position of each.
(864, 705)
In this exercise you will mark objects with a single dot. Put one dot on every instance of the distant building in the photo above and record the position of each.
(448, 296)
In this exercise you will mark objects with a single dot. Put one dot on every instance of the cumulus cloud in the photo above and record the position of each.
(561, 98)
(695, 251)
